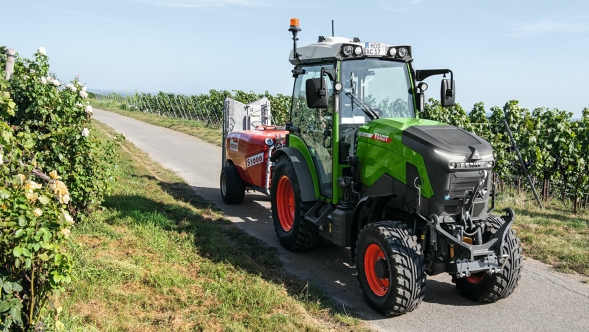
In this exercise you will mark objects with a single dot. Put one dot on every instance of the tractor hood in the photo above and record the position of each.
(432, 135)
(449, 139)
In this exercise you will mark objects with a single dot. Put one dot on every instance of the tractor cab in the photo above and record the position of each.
(344, 83)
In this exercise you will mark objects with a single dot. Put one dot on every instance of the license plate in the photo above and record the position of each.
(375, 49)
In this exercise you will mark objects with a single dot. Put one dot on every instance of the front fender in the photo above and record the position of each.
(309, 189)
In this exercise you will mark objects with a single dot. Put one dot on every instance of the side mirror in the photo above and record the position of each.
(316, 92)
(447, 93)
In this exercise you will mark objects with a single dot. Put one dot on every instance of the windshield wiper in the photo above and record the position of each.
(363, 105)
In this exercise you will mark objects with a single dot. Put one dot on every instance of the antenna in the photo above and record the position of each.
(332, 29)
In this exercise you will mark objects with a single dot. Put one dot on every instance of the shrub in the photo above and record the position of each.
(52, 171)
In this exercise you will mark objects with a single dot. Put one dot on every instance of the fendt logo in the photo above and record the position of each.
(376, 136)
(381, 137)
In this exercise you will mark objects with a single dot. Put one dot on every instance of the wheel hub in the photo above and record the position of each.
(381, 268)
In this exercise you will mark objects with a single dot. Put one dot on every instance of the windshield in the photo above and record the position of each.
(374, 85)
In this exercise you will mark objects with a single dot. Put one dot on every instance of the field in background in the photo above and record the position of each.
(554, 235)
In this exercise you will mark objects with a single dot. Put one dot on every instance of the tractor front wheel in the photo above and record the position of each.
(485, 287)
(232, 186)
(391, 268)
(288, 211)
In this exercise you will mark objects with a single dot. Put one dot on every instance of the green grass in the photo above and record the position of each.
(158, 258)
(554, 235)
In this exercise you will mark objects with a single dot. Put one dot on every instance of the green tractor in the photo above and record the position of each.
(357, 167)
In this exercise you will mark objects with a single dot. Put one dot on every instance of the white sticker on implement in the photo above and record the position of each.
(254, 160)
(234, 142)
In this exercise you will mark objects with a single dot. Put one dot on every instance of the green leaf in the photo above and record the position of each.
(7, 286)
(4, 306)
(26, 252)
(16, 287)
(22, 221)
(4, 194)
(19, 232)
(44, 200)
(15, 313)
(17, 251)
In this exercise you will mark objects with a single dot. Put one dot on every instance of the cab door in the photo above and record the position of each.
(315, 127)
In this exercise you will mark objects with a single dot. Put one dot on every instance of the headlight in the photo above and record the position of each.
(358, 51)
(392, 51)
(348, 49)
(451, 157)
(402, 52)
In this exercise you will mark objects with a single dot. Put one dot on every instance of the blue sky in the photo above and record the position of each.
(536, 52)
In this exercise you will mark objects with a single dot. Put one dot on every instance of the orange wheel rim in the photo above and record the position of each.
(285, 203)
(373, 255)
(475, 278)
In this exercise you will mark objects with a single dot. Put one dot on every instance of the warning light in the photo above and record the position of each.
(294, 23)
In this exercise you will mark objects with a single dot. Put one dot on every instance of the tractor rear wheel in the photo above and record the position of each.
(391, 268)
(232, 186)
(484, 287)
(288, 211)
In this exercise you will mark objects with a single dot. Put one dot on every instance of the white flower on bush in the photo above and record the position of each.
(83, 94)
(43, 80)
(56, 82)
(72, 87)
(78, 104)
(85, 132)
(88, 109)
(60, 191)
(32, 71)
(37, 212)
(67, 218)
(42, 50)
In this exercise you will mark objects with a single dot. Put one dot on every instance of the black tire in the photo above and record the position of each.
(232, 186)
(485, 287)
(288, 211)
(386, 249)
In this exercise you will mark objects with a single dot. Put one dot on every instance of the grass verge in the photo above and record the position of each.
(159, 258)
(554, 235)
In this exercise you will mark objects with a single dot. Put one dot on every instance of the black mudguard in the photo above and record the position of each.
(302, 170)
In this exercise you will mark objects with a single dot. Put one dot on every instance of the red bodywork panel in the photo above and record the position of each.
(248, 151)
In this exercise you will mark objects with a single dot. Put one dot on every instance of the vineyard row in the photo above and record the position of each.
(554, 147)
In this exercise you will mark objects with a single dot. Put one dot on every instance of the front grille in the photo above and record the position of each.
(458, 185)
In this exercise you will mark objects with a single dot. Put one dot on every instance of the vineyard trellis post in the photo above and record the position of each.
(521, 160)
(171, 105)
(194, 109)
(161, 109)
(181, 108)
(10, 55)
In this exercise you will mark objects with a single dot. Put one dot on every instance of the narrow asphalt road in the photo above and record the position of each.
(544, 301)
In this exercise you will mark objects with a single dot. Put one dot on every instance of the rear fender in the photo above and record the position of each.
(309, 189)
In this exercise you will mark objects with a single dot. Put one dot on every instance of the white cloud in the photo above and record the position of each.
(548, 26)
